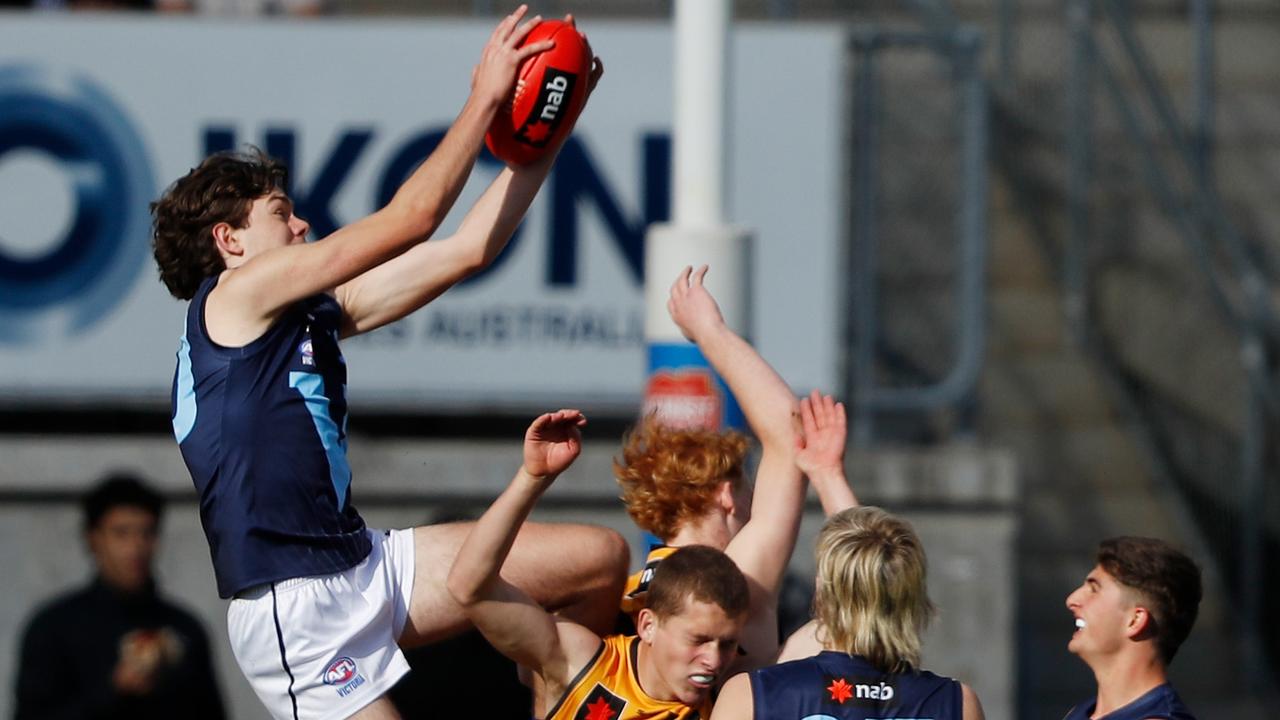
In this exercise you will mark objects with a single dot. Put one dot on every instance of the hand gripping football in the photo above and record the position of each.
(550, 91)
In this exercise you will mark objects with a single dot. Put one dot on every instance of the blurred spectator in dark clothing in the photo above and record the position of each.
(115, 648)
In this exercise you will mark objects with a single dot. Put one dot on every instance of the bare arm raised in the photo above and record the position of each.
(554, 648)
(268, 264)
(400, 286)
(821, 457)
(763, 547)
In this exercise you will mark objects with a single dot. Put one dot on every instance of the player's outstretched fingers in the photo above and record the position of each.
(835, 410)
(597, 72)
(521, 30)
(575, 416)
(682, 282)
(700, 274)
(808, 420)
(503, 30)
(824, 409)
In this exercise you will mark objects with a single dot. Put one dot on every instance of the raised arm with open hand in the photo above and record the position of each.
(820, 451)
(400, 286)
(268, 274)
(762, 548)
(513, 623)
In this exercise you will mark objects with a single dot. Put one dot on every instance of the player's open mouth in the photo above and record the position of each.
(1080, 624)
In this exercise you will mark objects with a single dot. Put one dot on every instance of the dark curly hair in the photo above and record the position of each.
(221, 189)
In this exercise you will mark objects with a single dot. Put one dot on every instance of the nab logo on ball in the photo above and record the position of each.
(545, 118)
(343, 674)
(550, 92)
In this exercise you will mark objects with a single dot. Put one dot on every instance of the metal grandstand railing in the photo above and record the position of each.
(960, 48)
(1225, 257)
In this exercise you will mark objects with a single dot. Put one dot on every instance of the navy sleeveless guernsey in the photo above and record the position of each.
(836, 686)
(1161, 701)
(263, 431)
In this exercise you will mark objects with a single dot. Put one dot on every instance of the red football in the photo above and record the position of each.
(551, 88)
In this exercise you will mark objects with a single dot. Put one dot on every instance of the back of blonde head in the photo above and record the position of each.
(872, 598)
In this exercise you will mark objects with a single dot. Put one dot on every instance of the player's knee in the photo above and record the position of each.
(610, 557)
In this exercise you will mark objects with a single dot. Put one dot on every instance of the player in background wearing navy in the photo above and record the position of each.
(1132, 613)
(321, 602)
(687, 486)
(686, 638)
(872, 606)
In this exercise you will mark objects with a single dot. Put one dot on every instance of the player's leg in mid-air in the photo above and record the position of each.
(577, 571)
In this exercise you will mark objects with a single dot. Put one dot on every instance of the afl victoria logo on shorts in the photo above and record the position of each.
(74, 234)
(340, 671)
(343, 675)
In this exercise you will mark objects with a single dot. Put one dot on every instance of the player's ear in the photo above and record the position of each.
(646, 624)
(1141, 624)
(226, 241)
(724, 496)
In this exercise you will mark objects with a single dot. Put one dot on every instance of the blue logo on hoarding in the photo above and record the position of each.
(74, 124)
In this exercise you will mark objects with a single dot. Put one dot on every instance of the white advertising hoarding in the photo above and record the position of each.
(98, 114)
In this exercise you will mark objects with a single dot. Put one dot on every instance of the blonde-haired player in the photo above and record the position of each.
(872, 606)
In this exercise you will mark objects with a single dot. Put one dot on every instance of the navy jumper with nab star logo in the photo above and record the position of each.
(836, 686)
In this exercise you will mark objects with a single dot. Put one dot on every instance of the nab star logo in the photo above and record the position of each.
(860, 692)
(840, 690)
(340, 671)
(600, 705)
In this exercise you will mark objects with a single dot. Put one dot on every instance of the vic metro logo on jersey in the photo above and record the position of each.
(308, 354)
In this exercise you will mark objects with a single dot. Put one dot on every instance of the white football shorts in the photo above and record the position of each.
(316, 648)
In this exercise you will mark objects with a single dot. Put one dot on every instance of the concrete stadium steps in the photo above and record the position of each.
(1032, 321)
(1083, 473)
(1042, 393)
(1084, 476)
(1175, 340)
